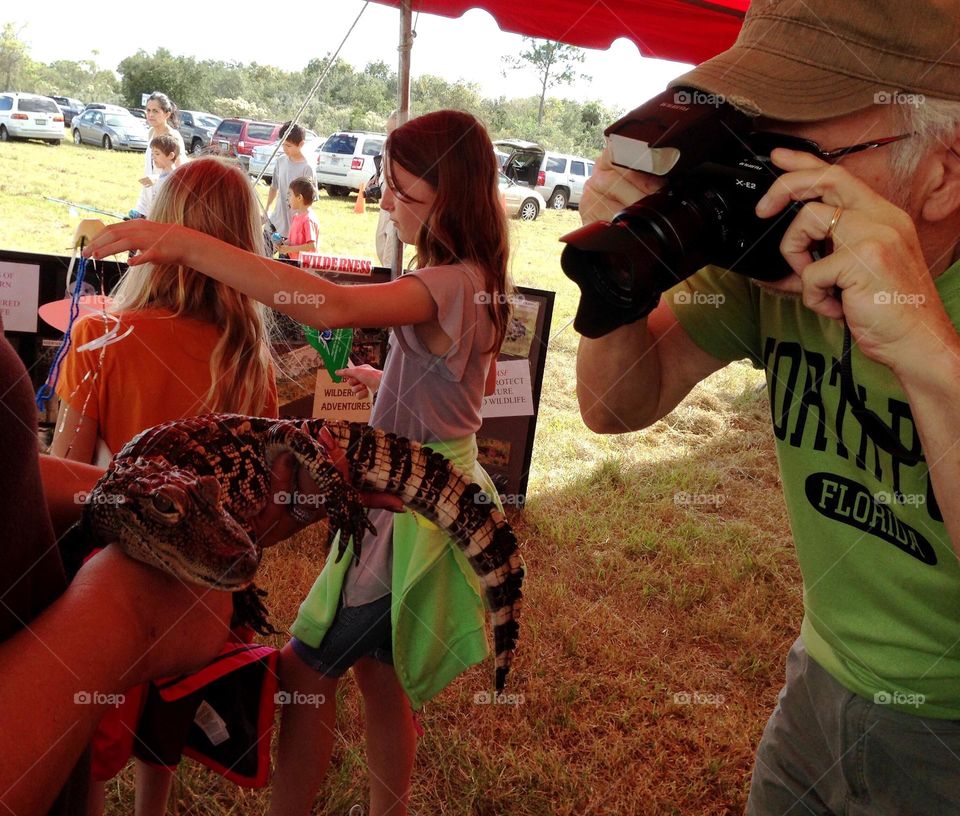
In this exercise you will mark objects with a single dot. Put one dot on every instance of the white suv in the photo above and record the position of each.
(345, 161)
(558, 177)
(28, 116)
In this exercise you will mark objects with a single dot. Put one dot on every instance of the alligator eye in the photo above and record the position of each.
(165, 508)
(163, 504)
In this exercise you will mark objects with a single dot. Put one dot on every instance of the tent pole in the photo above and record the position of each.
(403, 98)
(405, 49)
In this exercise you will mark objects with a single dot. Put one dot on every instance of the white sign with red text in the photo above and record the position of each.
(334, 263)
(19, 296)
(514, 394)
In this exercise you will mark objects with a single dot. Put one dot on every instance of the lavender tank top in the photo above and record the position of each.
(426, 397)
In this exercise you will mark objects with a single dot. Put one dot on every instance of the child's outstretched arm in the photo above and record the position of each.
(310, 246)
(302, 295)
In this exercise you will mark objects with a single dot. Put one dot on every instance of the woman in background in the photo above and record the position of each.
(163, 120)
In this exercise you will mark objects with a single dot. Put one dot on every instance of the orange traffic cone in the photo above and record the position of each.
(359, 206)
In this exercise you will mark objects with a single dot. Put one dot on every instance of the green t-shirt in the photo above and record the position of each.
(881, 580)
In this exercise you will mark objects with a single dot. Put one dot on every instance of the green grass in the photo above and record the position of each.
(632, 597)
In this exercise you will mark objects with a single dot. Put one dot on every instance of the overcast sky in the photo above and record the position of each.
(468, 48)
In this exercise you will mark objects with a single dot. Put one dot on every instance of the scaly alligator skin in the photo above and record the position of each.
(180, 497)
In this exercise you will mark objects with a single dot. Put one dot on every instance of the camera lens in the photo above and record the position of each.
(649, 247)
(708, 218)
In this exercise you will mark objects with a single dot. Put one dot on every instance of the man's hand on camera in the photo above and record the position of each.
(612, 188)
(888, 297)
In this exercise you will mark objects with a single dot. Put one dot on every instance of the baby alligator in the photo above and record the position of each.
(181, 496)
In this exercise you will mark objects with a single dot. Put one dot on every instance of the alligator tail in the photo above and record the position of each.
(431, 485)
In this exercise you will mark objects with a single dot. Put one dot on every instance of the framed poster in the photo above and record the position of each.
(505, 440)
(33, 280)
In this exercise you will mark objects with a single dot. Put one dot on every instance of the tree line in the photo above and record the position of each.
(348, 99)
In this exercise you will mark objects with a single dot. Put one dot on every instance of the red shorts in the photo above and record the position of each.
(221, 716)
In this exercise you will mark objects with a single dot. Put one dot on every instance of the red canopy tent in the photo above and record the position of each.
(681, 30)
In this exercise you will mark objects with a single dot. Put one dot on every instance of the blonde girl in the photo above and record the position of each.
(196, 346)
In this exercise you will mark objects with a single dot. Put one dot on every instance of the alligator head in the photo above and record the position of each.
(172, 519)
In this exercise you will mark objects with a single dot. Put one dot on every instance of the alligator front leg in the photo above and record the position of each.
(336, 498)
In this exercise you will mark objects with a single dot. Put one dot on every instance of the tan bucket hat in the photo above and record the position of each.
(804, 60)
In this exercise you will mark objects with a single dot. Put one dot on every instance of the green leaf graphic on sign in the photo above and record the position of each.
(333, 346)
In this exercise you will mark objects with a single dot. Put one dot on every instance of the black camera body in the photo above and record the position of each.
(704, 215)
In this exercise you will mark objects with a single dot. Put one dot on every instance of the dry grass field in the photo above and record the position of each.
(662, 594)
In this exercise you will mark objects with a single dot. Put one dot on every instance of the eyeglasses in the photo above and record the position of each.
(763, 142)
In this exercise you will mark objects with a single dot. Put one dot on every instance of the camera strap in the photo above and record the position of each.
(873, 425)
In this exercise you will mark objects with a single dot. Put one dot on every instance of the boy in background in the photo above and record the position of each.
(165, 151)
(291, 165)
(304, 227)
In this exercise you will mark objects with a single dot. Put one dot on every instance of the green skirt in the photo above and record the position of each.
(438, 616)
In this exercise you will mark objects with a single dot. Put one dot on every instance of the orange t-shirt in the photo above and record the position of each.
(160, 372)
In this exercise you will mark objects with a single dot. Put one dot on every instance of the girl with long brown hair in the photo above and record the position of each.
(196, 345)
(408, 616)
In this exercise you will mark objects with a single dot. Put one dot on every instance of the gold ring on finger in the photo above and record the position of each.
(833, 223)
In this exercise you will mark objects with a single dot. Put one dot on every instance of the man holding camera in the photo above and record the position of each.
(862, 356)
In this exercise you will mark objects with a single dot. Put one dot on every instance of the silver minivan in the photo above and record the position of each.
(29, 116)
(558, 177)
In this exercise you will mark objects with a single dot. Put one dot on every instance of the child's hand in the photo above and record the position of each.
(156, 243)
(290, 506)
(369, 498)
(363, 380)
(295, 500)
(146, 181)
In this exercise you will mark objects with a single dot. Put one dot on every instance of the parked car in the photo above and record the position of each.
(69, 107)
(110, 129)
(238, 137)
(521, 201)
(558, 177)
(197, 128)
(28, 116)
(261, 154)
(103, 106)
(346, 161)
